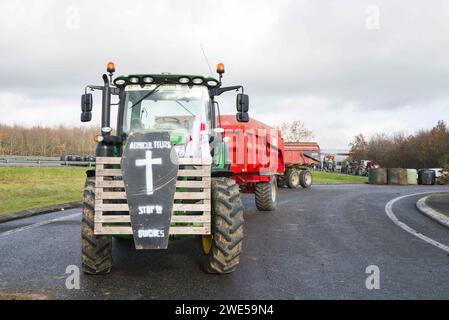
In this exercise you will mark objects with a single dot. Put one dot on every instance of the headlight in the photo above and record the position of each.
(212, 83)
(184, 80)
(134, 80)
(198, 81)
(119, 82)
(148, 80)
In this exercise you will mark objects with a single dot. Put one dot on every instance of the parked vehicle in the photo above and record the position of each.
(257, 159)
(261, 161)
(299, 159)
(338, 166)
(157, 178)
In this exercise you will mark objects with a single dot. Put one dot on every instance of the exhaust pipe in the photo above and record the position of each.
(106, 106)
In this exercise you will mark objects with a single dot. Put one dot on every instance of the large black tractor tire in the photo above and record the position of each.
(306, 179)
(223, 248)
(292, 178)
(266, 195)
(96, 250)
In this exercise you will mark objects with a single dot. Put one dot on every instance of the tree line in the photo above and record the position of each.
(425, 149)
(54, 142)
(45, 141)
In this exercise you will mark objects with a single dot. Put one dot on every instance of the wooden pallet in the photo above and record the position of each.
(192, 202)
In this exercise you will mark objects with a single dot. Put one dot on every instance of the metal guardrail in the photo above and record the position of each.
(42, 161)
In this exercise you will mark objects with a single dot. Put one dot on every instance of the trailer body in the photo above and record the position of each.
(255, 151)
(261, 162)
(305, 154)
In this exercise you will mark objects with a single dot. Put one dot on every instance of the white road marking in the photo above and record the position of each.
(392, 216)
(39, 224)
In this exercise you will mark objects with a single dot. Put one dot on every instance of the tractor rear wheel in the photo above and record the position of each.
(96, 250)
(306, 179)
(223, 247)
(292, 178)
(266, 195)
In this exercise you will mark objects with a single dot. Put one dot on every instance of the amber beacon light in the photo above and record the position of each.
(220, 68)
(111, 67)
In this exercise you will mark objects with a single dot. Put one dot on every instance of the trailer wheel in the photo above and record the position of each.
(96, 250)
(306, 179)
(281, 181)
(266, 195)
(222, 249)
(292, 178)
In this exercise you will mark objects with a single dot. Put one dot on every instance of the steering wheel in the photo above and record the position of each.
(171, 120)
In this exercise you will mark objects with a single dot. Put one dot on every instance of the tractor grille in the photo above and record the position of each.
(192, 202)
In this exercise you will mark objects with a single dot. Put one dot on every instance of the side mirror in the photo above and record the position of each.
(243, 117)
(86, 116)
(86, 102)
(242, 102)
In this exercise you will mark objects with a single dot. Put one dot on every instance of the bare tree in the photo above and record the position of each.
(295, 131)
(359, 147)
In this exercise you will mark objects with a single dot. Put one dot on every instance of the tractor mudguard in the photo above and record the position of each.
(222, 172)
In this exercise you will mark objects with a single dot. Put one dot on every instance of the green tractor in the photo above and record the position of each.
(164, 172)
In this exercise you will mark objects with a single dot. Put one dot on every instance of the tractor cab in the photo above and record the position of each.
(183, 105)
(182, 110)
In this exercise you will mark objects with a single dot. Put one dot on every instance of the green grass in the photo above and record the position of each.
(31, 188)
(320, 177)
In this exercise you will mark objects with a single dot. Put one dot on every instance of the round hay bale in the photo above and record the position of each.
(397, 176)
(377, 176)
(412, 176)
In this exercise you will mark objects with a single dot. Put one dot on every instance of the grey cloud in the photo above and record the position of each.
(292, 52)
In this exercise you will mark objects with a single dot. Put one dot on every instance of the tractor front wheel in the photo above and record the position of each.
(266, 195)
(223, 247)
(96, 250)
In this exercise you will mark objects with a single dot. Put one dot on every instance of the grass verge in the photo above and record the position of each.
(31, 188)
(320, 177)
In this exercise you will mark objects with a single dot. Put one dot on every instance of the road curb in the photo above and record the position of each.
(422, 206)
(35, 212)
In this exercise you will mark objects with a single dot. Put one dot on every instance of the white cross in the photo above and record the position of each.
(148, 163)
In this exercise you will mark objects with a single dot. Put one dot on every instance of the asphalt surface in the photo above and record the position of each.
(317, 245)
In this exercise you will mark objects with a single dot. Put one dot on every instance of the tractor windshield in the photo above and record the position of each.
(172, 108)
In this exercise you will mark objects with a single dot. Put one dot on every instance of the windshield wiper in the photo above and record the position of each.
(149, 94)
(185, 108)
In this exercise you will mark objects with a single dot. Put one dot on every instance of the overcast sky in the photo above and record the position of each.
(342, 67)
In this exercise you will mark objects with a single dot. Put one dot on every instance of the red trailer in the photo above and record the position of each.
(304, 153)
(257, 153)
(299, 157)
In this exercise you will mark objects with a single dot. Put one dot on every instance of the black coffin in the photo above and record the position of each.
(150, 170)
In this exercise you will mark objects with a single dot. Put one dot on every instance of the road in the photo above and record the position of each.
(317, 245)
